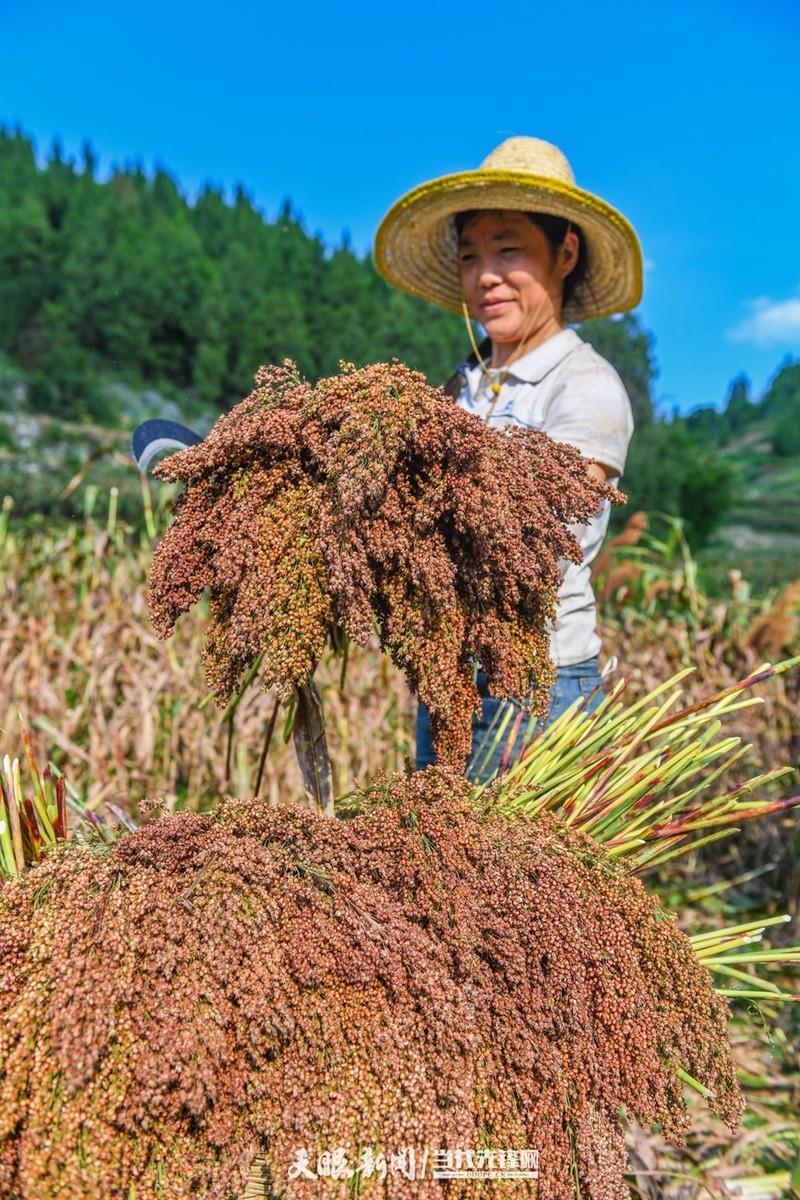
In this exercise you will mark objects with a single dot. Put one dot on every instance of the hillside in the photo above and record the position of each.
(761, 534)
(121, 299)
(759, 440)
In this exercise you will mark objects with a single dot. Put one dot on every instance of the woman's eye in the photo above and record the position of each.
(510, 249)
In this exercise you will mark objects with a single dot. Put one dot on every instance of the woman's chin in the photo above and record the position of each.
(503, 332)
(500, 328)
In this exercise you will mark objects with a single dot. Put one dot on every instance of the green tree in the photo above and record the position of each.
(786, 433)
(211, 217)
(19, 174)
(670, 469)
(783, 393)
(346, 310)
(27, 273)
(739, 411)
(707, 421)
(211, 357)
(64, 382)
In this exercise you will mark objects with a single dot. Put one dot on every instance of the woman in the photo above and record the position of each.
(519, 248)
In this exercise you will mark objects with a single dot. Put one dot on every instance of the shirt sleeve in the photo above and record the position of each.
(592, 412)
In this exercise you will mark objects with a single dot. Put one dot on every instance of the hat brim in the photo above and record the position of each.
(415, 245)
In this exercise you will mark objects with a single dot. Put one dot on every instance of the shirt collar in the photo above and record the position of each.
(533, 366)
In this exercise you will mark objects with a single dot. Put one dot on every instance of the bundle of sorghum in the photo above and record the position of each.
(245, 984)
(372, 498)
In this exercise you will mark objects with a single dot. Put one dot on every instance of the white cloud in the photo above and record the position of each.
(770, 321)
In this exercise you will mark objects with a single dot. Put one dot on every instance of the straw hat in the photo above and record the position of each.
(415, 246)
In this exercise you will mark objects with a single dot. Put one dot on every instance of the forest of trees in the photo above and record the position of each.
(777, 411)
(128, 275)
(127, 278)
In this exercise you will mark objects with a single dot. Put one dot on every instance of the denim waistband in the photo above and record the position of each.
(588, 666)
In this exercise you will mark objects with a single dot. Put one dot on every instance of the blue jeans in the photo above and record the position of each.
(579, 679)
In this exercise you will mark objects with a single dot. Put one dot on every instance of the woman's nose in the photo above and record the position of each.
(489, 273)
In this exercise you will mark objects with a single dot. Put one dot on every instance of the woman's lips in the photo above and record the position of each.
(494, 306)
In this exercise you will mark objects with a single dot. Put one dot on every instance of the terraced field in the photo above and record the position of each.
(761, 537)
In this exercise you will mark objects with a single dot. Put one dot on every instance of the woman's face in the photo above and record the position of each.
(506, 269)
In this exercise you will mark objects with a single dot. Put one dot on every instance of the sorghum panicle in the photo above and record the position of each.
(372, 499)
(226, 986)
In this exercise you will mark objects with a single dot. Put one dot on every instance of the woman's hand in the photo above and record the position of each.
(601, 472)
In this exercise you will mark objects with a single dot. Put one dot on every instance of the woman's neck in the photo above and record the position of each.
(504, 353)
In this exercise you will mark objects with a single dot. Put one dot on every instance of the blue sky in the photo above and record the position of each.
(684, 115)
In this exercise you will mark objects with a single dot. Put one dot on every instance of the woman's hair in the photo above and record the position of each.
(554, 229)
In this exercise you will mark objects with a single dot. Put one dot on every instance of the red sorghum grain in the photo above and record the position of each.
(372, 499)
(227, 986)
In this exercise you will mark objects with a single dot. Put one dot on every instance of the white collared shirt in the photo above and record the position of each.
(568, 390)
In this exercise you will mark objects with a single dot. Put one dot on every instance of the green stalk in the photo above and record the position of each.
(596, 793)
(694, 1083)
(8, 862)
(654, 859)
(639, 776)
(5, 512)
(503, 715)
(748, 927)
(147, 506)
(743, 994)
(767, 984)
(790, 954)
(13, 790)
(111, 523)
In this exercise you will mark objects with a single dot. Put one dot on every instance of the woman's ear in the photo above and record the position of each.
(570, 250)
